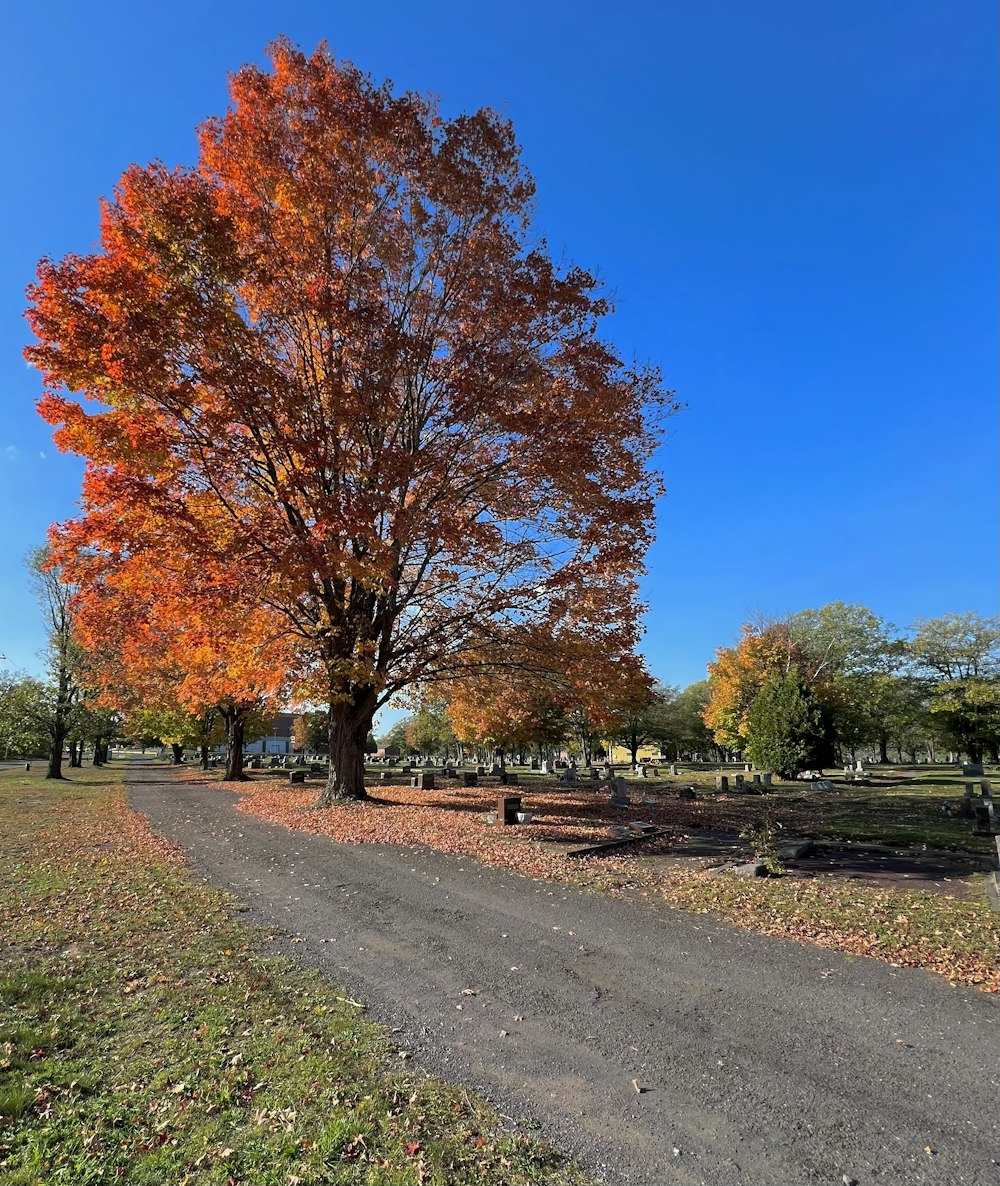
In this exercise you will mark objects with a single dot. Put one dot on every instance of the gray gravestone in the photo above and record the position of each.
(768, 779)
(619, 795)
(721, 782)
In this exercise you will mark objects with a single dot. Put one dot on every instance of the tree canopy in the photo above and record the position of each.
(331, 362)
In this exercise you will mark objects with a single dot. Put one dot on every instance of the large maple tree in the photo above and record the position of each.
(337, 334)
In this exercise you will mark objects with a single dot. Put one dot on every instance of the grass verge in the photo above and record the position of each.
(145, 1040)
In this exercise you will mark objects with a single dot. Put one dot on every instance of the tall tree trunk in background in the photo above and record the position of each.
(204, 757)
(235, 716)
(883, 749)
(98, 753)
(54, 769)
(177, 752)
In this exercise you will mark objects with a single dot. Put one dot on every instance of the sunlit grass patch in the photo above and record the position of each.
(145, 1040)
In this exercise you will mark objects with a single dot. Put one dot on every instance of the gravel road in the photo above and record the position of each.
(760, 1061)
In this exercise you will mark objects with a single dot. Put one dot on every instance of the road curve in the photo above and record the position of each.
(760, 1061)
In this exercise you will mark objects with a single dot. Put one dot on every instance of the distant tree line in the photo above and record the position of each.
(828, 684)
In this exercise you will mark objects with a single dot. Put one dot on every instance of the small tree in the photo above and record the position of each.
(788, 729)
(63, 652)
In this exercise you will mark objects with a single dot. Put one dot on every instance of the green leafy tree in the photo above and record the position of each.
(25, 715)
(958, 657)
(645, 717)
(789, 729)
(429, 730)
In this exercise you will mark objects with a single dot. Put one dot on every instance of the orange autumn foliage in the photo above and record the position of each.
(335, 346)
(738, 674)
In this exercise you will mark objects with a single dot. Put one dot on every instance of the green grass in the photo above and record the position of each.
(902, 808)
(145, 1040)
(956, 937)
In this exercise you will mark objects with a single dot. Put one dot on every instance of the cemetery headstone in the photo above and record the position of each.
(768, 779)
(296, 776)
(546, 768)
(424, 781)
(984, 819)
(469, 779)
(508, 779)
(972, 770)
(507, 808)
(673, 769)
(721, 782)
(619, 795)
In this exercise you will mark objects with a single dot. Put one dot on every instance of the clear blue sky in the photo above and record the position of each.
(794, 203)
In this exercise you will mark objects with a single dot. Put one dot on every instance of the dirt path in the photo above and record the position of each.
(760, 1061)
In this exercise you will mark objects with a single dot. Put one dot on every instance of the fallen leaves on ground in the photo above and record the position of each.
(959, 939)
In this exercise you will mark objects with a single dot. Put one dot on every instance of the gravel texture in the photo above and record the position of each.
(758, 1060)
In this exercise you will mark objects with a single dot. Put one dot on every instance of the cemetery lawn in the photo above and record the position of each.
(144, 1039)
(955, 934)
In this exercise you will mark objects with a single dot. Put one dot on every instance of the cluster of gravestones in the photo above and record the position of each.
(976, 807)
(757, 786)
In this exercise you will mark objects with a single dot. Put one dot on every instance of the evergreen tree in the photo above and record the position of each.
(788, 728)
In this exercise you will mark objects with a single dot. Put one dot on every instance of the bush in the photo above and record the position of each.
(788, 730)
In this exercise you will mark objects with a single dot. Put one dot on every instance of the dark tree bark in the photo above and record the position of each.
(235, 717)
(350, 724)
(54, 769)
(98, 752)
(177, 752)
(204, 757)
(883, 750)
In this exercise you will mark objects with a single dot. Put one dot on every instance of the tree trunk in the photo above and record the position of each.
(350, 724)
(204, 757)
(56, 752)
(883, 750)
(98, 753)
(75, 754)
(178, 754)
(235, 718)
